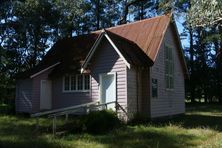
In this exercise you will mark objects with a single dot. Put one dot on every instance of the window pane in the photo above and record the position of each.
(66, 83)
(170, 53)
(166, 67)
(166, 53)
(169, 69)
(171, 82)
(167, 81)
(80, 82)
(73, 82)
(87, 81)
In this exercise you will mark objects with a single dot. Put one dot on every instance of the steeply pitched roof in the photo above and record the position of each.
(130, 50)
(139, 42)
(67, 51)
(147, 34)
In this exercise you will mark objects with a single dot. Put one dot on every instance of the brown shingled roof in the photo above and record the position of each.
(68, 51)
(147, 34)
(130, 50)
(143, 39)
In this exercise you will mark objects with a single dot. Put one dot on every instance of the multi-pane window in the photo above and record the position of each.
(73, 82)
(80, 82)
(154, 88)
(169, 67)
(76, 83)
(87, 81)
(66, 83)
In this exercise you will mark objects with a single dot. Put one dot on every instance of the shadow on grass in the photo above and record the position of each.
(20, 132)
(135, 137)
(203, 107)
(28, 143)
(197, 116)
(198, 121)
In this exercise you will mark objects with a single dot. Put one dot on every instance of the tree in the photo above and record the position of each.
(204, 13)
(27, 29)
(100, 14)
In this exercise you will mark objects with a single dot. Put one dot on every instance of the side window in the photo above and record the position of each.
(169, 67)
(154, 88)
(66, 83)
(72, 83)
(86, 82)
(80, 82)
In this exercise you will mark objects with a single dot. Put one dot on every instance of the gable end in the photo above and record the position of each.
(96, 44)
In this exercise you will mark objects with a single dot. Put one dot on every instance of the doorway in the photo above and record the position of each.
(108, 89)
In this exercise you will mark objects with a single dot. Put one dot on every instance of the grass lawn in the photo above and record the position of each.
(200, 127)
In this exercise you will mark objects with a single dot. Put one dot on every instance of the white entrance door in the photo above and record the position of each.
(45, 95)
(108, 89)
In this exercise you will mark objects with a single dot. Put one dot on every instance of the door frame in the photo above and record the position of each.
(100, 84)
(50, 106)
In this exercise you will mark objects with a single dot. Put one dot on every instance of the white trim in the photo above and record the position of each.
(38, 73)
(76, 87)
(75, 91)
(92, 51)
(117, 50)
(100, 89)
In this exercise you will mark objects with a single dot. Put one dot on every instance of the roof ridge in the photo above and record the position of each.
(131, 23)
(121, 37)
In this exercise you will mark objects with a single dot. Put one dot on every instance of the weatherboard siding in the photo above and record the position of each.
(36, 86)
(138, 91)
(62, 99)
(107, 60)
(23, 102)
(145, 91)
(169, 102)
(131, 92)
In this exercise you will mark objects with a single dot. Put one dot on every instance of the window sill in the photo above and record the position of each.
(75, 91)
(154, 98)
(169, 89)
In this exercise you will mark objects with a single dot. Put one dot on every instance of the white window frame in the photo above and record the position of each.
(168, 74)
(76, 86)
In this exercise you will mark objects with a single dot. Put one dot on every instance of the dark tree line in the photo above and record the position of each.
(204, 61)
(28, 28)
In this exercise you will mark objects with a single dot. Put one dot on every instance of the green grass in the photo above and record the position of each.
(200, 127)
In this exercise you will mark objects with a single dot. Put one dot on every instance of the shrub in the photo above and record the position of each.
(76, 125)
(99, 122)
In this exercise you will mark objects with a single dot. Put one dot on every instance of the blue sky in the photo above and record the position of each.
(180, 28)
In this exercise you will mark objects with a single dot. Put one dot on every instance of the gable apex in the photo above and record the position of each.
(102, 35)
